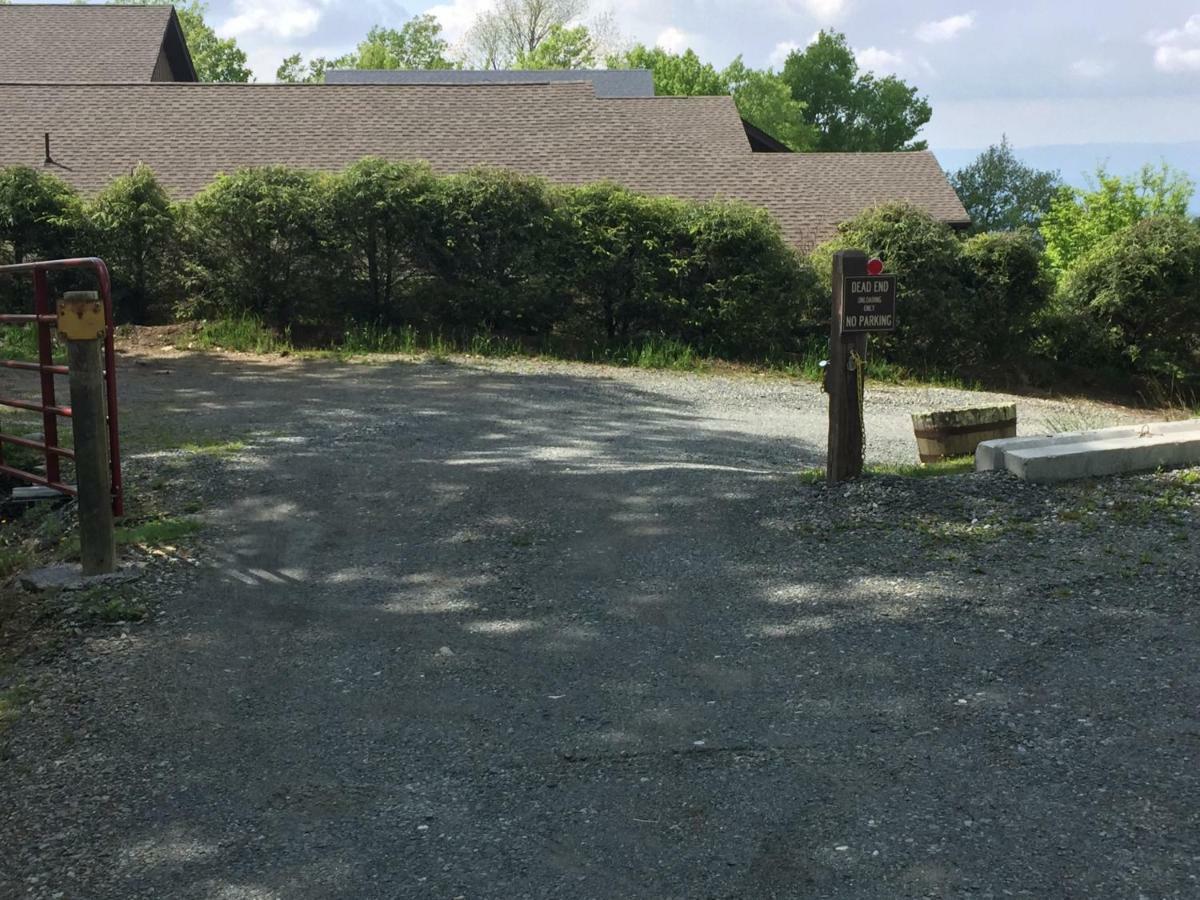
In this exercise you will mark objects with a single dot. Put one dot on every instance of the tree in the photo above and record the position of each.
(765, 101)
(1079, 220)
(215, 58)
(500, 36)
(418, 44)
(762, 97)
(1003, 194)
(852, 111)
(563, 48)
(675, 74)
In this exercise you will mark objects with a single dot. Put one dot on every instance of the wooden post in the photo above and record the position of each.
(845, 454)
(85, 360)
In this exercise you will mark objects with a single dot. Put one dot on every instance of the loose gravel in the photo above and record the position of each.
(541, 630)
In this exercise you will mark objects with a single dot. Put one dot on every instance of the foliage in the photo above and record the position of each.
(675, 74)
(133, 226)
(563, 48)
(1133, 300)
(378, 226)
(417, 44)
(39, 215)
(253, 239)
(1079, 220)
(765, 101)
(849, 110)
(500, 36)
(1003, 194)
(1008, 291)
(931, 290)
(215, 58)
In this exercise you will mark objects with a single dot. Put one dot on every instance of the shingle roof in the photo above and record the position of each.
(79, 43)
(608, 82)
(690, 147)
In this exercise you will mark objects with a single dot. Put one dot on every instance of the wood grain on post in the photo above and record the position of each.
(845, 454)
(97, 538)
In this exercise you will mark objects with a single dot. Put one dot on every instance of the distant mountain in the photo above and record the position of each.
(1076, 161)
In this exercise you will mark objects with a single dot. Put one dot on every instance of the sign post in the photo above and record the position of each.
(864, 300)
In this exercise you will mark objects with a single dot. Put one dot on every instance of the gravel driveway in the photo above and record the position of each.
(554, 631)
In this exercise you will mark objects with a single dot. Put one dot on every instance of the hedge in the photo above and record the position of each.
(487, 251)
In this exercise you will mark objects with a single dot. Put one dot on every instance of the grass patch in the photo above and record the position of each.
(11, 701)
(158, 532)
(959, 465)
(109, 605)
(20, 342)
(246, 334)
(215, 449)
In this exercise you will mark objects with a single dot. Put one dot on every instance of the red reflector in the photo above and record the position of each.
(875, 267)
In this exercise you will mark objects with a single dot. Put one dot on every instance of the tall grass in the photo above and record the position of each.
(20, 342)
(246, 334)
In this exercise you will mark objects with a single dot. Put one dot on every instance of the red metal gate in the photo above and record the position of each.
(44, 320)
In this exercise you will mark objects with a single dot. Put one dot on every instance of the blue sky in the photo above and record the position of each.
(1044, 72)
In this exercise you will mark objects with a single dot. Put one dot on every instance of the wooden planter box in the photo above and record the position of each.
(957, 432)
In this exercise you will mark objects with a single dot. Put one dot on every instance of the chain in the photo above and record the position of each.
(860, 378)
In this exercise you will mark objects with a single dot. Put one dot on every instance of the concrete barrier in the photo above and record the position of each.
(1107, 451)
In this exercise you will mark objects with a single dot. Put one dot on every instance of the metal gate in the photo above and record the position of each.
(45, 320)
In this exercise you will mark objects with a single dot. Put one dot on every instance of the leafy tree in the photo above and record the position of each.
(39, 215)
(852, 111)
(1078, 220)
(764, 100)
(417, 44)
(675, 74)
(1003, 194)
(133, 226)
(215, 58)
(499, 37)
(563, 48)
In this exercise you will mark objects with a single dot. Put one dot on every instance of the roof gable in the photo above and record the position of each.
(77, 43)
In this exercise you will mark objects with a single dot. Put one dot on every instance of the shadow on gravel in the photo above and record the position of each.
(470, 633)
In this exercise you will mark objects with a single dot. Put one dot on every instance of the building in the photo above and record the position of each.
(695, 148)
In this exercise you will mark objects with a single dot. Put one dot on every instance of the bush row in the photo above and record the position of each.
(493, 252)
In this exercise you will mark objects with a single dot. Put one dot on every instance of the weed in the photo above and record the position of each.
(157, 532)
(958, 465)
(11, 701)
(107, 605)
(811, 476)
(246, 334)
(216, 449)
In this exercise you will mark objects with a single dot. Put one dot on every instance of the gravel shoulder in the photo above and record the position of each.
(526, 629)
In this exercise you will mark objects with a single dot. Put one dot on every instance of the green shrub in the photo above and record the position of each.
(379, 232)
(491, 246)
(133, 226)
(254, 246)
(40, 216)
(932, 294)
(1134, 301)
(747, 291)
(1009, 289)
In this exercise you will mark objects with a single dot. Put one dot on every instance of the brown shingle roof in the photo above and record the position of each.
(77, 43)
(691, 147)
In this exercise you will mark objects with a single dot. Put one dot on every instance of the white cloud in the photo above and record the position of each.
(1090, 69)
(877, 60)
(825, 10)
(781, 52)
(945, 29)
(277, 18)
(1177, 49)
(674, 40)
(458, 16)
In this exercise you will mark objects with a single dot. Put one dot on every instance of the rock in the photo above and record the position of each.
(69, 577)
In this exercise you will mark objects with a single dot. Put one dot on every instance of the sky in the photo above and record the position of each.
(1047, 73)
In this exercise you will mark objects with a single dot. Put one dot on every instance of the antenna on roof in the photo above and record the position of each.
(49, 161)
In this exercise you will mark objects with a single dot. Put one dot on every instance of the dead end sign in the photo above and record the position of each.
(869, 303)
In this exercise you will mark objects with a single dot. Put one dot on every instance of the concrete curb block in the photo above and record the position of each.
(1107, 451)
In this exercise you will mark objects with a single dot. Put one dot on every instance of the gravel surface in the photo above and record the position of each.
(542, 630)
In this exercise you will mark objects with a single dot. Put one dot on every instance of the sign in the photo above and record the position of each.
(868, 303)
